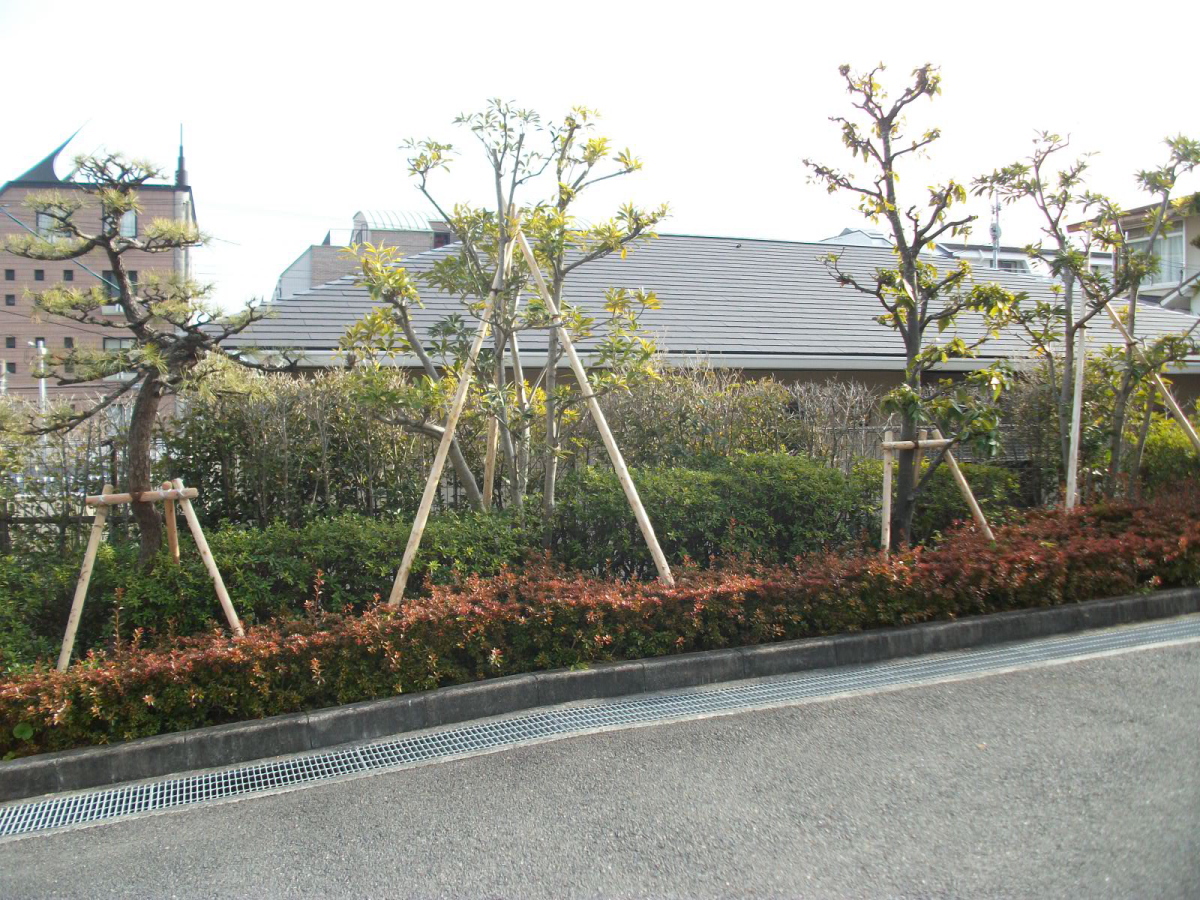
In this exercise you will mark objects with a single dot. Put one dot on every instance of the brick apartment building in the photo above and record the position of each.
(20, 278)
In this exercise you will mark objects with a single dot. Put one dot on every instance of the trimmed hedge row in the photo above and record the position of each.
(769, 507)
(269, 572)
(542, 618)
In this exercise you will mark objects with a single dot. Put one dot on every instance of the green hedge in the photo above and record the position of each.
(545, 618)
(1169, 457)
(769, 507)
(268, 571)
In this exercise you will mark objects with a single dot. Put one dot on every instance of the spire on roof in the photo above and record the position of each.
(44, 171)
(181, 176)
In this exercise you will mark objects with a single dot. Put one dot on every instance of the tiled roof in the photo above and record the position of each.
(741, 299)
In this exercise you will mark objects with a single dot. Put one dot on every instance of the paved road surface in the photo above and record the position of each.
(1076, 780)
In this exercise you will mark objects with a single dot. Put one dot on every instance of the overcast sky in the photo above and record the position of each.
(293, 113)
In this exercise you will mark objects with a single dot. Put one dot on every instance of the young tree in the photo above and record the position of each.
(169, 318)
(1055, 327)
(916, 295)
(484, 274)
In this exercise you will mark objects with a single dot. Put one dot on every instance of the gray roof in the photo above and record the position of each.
(739, 302)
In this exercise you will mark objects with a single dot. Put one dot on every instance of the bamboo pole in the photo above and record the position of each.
(489, 462)
(961, 480)
(918, 446)
(172, 530)
(610, 443)
(1076, 421)
(142, 497)
(209, 563)
(921, 442)
(885, 532)
(85, 576)
(1176, 411)
(439, 459)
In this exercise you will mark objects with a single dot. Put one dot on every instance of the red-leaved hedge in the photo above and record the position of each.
(544, 618)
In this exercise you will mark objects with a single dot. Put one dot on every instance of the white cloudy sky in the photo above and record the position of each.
(293, 113)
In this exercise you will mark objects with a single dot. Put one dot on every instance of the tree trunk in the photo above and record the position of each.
(141, 433)
(1135, 464)
(906, 481)
(551, 480)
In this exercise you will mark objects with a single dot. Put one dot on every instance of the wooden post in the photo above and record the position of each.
(885, 533)
(1158, 382)
(961, 479)
(172, 531)
(1076, 422)
(85, 576)
(209, 563)
(610, 444)
(922, 437)
(439, 459)
(489, 462)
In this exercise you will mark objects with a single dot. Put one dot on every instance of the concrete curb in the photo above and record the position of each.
(224, 745)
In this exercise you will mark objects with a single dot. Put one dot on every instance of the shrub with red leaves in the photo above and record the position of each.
(545, 618)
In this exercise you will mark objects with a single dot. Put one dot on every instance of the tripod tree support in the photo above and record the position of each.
(610, 443)
(938, 443)
(102, 502)
(439, 459)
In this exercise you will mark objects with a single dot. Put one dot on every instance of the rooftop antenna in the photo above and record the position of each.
(994, 230)
(181, 176)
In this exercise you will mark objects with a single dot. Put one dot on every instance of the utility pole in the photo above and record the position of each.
(994, 229)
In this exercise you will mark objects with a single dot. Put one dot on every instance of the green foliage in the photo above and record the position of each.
(545, 618)
(1169, 457)
(771, 507)
(998, 491)
(269, 572)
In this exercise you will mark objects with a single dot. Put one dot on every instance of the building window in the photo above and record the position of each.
(441, 238)
(39, 274)
(114, 344)
(1013, 265)
(10, 368)
(1169, 250)
(10, 342)
(10, 274)
(68, 274)
(10, 299)
(69, 343)
(47, 227)
(113, 288)
(128, 227)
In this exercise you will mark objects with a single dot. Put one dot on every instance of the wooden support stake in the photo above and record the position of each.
(489, 462)
(921, 442)
(209, 563)
(610, 443)
(961, 479)
(1076, 421)
(1176, 411)
(918, 446)
(141, 497)
(172, 531)
(85, 576)
(885, 533)
(439, 459)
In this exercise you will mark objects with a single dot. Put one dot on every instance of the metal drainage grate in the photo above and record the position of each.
(110, 803)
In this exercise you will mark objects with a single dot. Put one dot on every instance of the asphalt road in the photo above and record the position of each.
(1076, 780)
